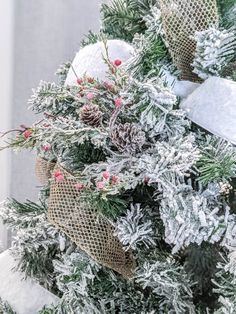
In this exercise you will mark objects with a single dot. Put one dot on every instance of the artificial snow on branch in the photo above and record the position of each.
(170, 283)
(215, 49)
(136, 228)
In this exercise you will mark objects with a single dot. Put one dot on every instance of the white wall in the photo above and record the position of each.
(6, 53)
(6, 71)
(47, 33)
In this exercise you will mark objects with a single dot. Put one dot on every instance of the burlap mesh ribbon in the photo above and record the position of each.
(43, 170)
(181, 19)
(93, 233)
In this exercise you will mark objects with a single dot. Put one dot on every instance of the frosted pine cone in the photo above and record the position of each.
(128, 137)
(225, 188)
(91, 115)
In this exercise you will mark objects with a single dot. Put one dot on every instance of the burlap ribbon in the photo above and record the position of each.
(92, 232)
(43, 170)
(181, 19)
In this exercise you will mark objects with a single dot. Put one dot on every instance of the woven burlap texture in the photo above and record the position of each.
(181, 19)
(92, 232)
(43, 170)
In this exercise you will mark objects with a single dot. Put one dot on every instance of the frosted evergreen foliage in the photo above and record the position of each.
(62, 72)
(153, 21)
(78, 264)
(194, 218)
(53, 98)
(168, 281)
(231, 15)
(36, 242)
(136, 228)
(88, 288)
(217, 163)
(215, 48)
(151, 52)
(155, 102)
(5, 308)
(225, 283)
(161, 199)
(167, 164)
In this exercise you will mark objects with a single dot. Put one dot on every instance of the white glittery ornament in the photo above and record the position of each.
(213, 107)
(89, 60)
(26, 296)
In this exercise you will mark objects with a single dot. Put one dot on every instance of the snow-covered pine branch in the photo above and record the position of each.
(168, 281)
(136, 228)
(215, 48)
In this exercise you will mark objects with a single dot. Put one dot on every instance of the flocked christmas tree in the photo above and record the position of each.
(136, 213)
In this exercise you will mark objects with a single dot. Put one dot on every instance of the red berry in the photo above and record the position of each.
(46, 147)
(106, 175)
(118, 102)
(79, 186)
(90, 80)
(117, 62)
(100, 185)
(108, 85)
(60, 178)
(79, 81)
(90, 96)
(57, 173)
(114, 179)
(27, 134)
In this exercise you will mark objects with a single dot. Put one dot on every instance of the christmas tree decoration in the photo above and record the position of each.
(138, 213)
(181, 19)
(93, 233)
(117, 62)
(90, 61)
(128, 137)
(91, 115)
(212, 106)
(43, 170)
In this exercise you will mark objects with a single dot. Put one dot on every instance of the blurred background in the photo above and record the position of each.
(35, 38)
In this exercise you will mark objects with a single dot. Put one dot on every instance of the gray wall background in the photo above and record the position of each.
(46, 34)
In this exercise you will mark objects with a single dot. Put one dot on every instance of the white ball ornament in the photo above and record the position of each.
(213, 107)
(90, 61)
(24, 296)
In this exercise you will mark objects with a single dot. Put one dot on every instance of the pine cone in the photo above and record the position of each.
(128, 137)
(91, 115)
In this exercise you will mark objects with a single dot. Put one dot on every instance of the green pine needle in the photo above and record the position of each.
(124, 18)
(218, 162)
(27, 207)
(110, 206)
(225, 8)
(91, 38)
